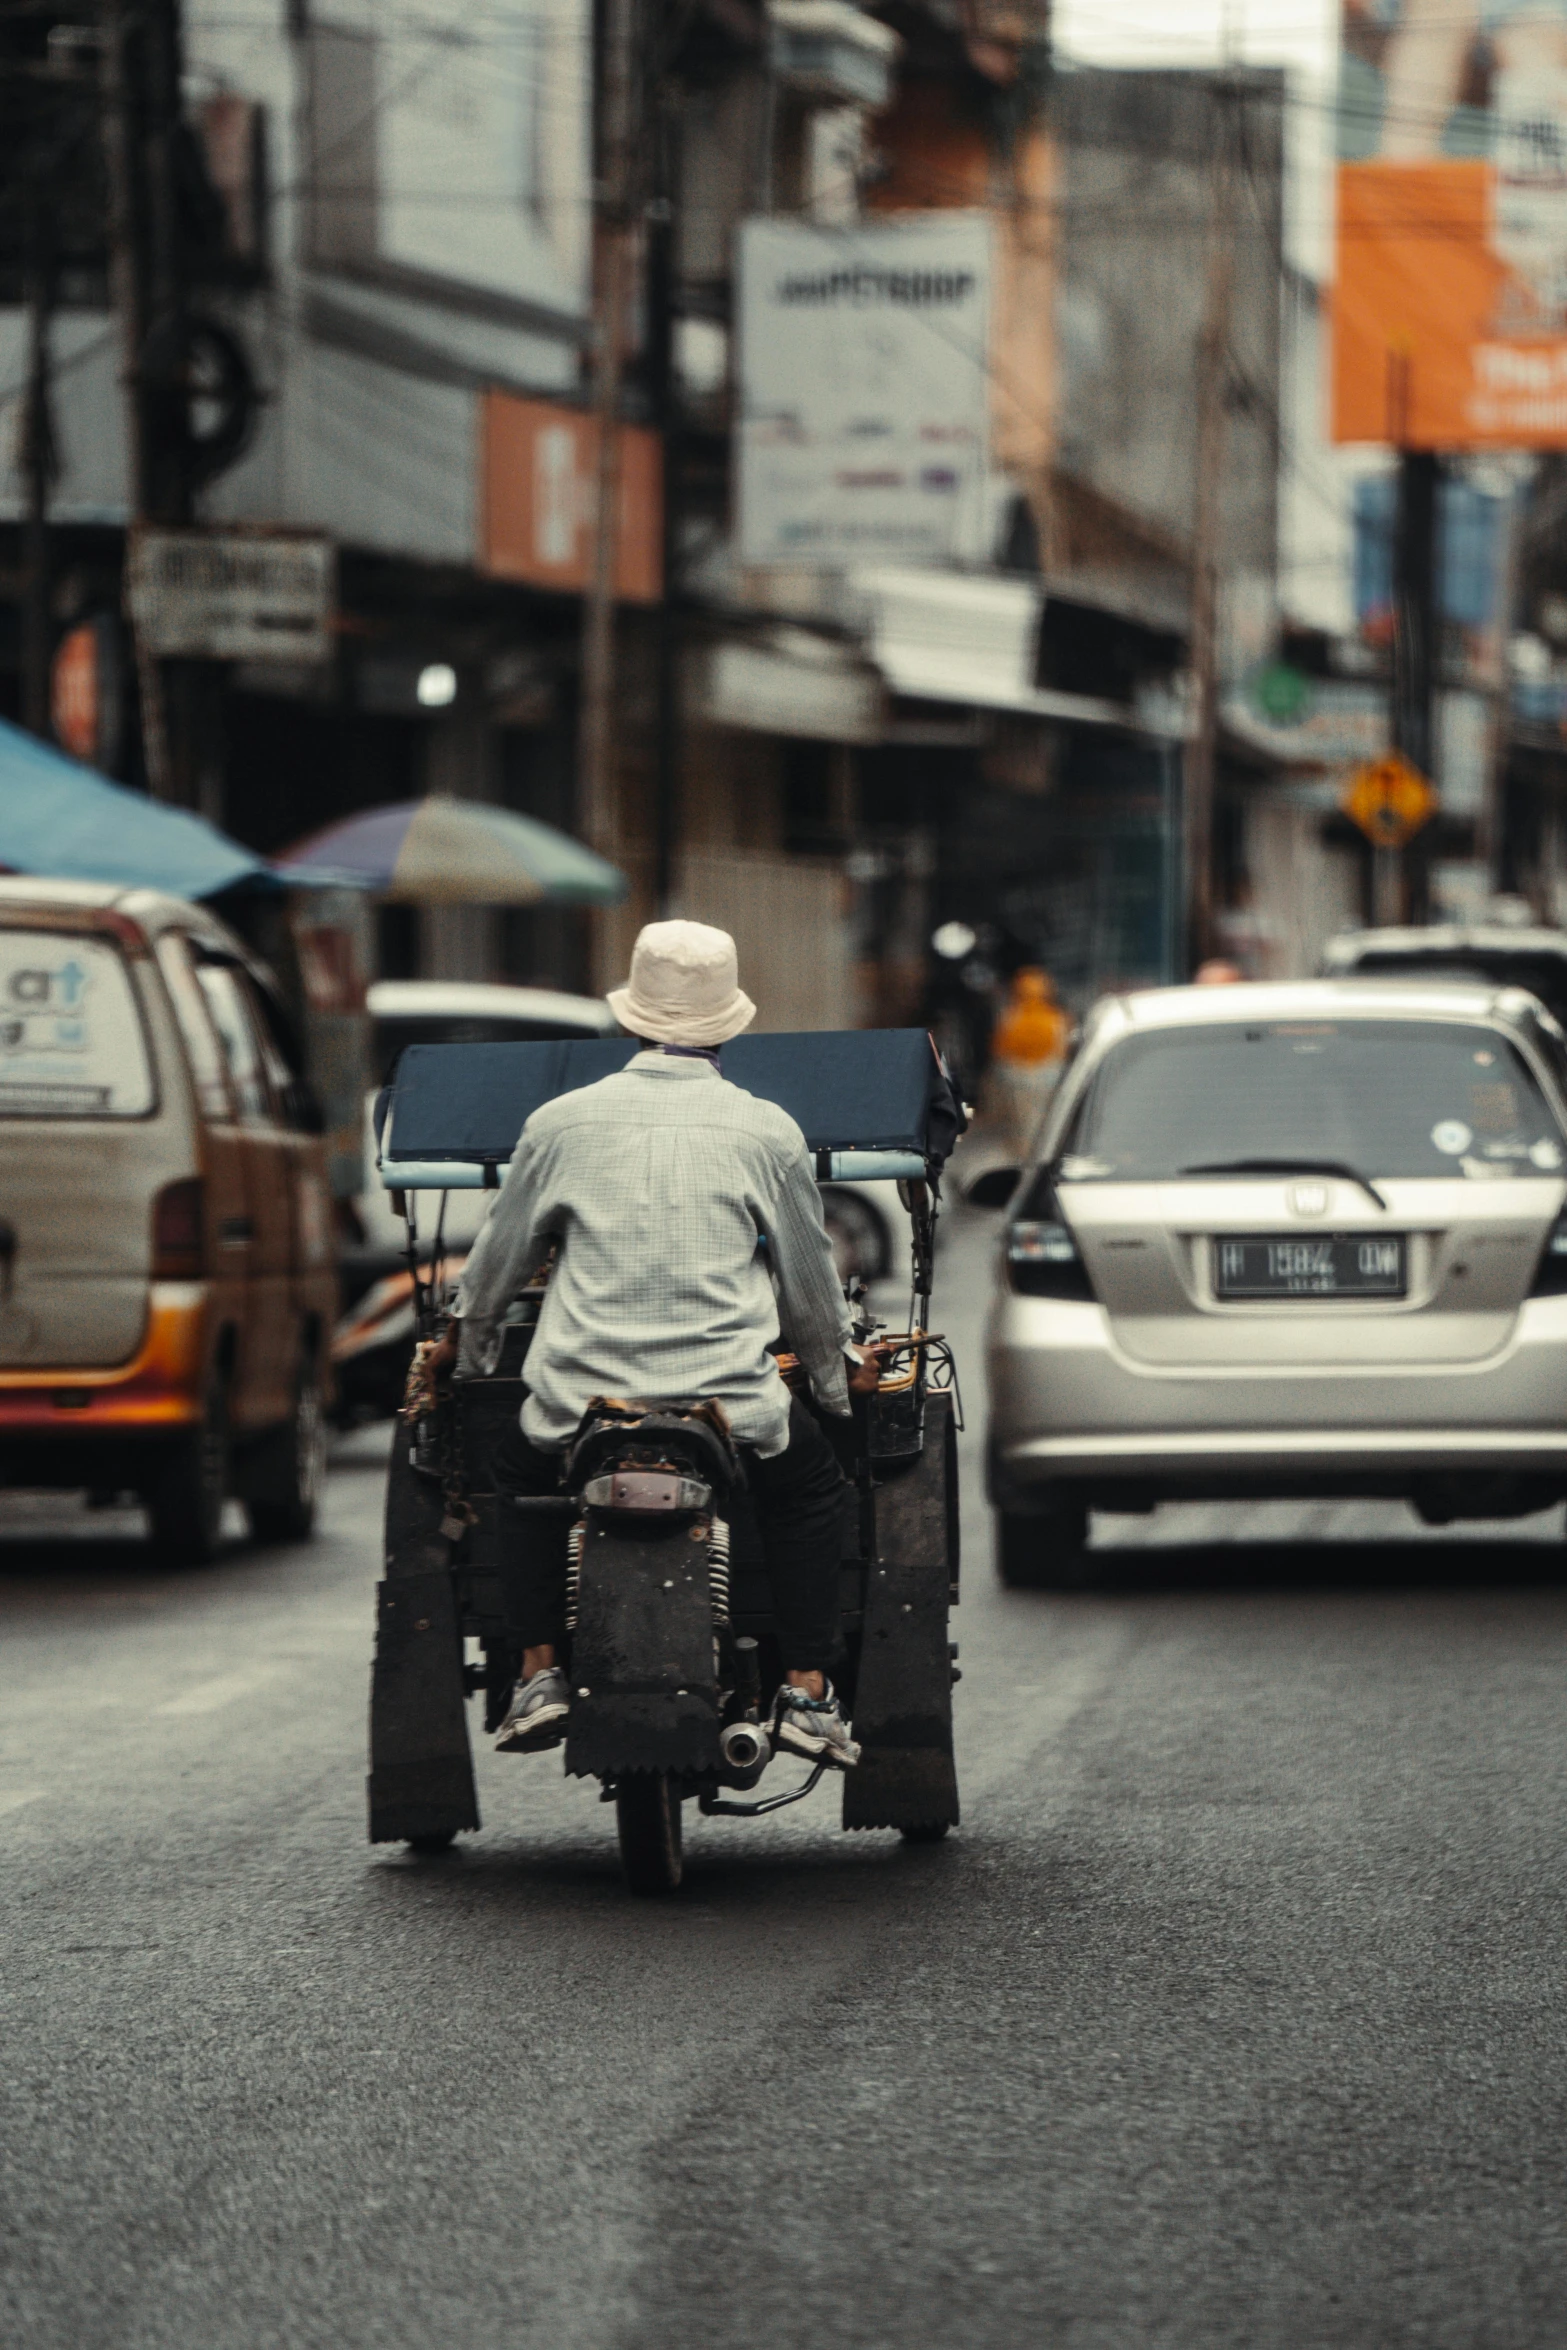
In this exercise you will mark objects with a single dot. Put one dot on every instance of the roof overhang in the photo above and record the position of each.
(943, 636)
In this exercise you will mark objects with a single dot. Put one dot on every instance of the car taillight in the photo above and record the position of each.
(178, 1253)
(1043, 1261)
(1550, 1277)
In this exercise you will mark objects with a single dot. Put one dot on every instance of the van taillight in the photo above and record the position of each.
(177, 1251)
(1550, 1277)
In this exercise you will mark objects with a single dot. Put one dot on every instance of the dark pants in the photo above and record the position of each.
(798, 1499)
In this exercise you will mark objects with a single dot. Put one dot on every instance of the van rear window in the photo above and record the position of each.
(71, 1038)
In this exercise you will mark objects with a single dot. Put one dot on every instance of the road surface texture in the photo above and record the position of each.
(1232, 2015)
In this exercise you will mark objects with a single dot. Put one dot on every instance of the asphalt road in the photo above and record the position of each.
(1232, 2015)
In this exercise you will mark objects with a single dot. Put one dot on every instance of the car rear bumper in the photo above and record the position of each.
(157, 1392)
(1068, 1406)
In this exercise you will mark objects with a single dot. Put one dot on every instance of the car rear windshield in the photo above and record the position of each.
(71, 1038)
(1384, 1097)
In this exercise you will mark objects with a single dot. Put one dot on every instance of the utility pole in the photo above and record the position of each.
(120, 92)
(121, 85)
(612, 287)
(189, 396)
(1213, 352)
(1416, 650)
(140, 52)
(38, 468)
(49, 173)
(665, 128)
(1488, 825)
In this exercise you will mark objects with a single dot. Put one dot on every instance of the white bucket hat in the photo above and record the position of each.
(684, 986)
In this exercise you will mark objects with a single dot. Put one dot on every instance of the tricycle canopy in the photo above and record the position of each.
(873, 1104)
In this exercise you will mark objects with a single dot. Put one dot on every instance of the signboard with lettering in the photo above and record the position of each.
(231, 595)
(865, 390)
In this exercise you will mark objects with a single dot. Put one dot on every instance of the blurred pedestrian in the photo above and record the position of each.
(1217, 972)
(960, 1003)
(1028, 1054)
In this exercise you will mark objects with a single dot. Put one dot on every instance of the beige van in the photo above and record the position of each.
(166, 1251)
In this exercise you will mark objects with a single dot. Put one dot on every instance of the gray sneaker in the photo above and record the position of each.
(814, 1727)
(536, 1716)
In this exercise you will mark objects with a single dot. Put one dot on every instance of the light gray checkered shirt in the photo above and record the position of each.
(658, 1183)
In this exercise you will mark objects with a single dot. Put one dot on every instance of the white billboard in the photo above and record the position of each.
(865, 391)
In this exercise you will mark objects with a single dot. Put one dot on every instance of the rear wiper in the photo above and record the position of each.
(1289, 1167)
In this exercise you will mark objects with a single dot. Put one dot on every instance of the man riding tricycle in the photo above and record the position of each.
(661, 1488)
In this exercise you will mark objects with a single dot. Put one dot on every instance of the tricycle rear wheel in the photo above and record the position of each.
(647, 1814)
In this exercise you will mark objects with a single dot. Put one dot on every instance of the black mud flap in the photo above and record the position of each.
(643, 1670)
(906, 1776)
(421, 1768)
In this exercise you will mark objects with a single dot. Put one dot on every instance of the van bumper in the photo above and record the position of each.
(158, 1392)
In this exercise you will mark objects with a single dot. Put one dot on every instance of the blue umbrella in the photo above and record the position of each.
(65, 820)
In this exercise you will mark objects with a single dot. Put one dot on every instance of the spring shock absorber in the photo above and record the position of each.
(718, 1569)
(574, 1542)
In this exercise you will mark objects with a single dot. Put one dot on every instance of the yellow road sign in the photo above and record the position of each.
(1389, 799)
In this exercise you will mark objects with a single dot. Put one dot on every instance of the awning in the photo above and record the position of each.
(67, 821)
(943, 636)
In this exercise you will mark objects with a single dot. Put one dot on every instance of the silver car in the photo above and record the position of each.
(1484, 951)
(1303, 1239)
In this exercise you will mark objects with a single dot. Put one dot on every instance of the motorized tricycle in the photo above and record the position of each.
(672, 1651)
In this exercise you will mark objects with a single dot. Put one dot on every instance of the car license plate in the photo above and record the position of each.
(1277, 1264)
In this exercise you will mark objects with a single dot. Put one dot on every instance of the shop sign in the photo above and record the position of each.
(865, 391)
(821, 694)
(539, 498)
(1337, 721)
(222, 595)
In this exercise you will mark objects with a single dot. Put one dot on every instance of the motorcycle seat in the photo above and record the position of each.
(692, 1435)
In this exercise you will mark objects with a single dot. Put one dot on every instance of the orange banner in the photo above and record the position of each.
(1417, 358)
(1450, 307)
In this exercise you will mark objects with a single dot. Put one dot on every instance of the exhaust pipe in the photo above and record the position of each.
(746, 1748)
